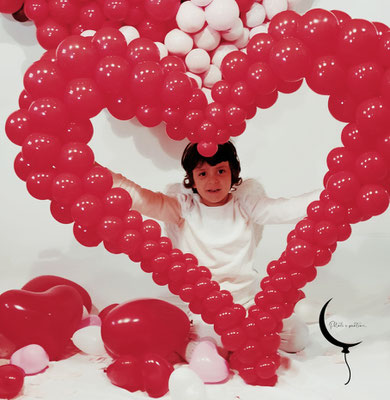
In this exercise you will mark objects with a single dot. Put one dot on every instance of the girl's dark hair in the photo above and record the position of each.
(226, 152)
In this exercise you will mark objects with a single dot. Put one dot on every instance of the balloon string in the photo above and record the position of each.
(349, 369)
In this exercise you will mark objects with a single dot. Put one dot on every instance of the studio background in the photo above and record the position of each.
(284, 147)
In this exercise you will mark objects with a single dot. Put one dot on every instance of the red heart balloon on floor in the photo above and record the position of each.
(145, 326)
(45, 282)
(156, 372)
(125, 372)
(11, 381)
(48, 318)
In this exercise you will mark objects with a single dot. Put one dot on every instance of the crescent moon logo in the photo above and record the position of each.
(345, 346)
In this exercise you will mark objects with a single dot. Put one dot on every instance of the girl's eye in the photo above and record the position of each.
(202, 174)
(221, 171)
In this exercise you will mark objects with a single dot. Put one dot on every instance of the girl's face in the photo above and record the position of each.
(213, 183)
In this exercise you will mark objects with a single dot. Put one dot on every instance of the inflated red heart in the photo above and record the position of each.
(340, 57)
(47, 318)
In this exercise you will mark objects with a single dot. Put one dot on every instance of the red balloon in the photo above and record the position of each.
(172, 63)
(40, 150)
(162, 10)
(17, 127)
(39, 184)
(25, 100)
(259, 46)
(304, 230)
(207, 149)
(146, 80)
(43, 79)
(109, 42)
(110, 228)
(78, 131)
(83, 98)
(327, 75)
(198, 100)
(122, 106)
(234, 66)
(48, 319)
(145, 326)
(116, 10)
(334, 212)
(48, 115)
(36, 10)
(11, 378)
(353, 139)
(325, 233)
(86, 235)
(343, 232)
(300, 253)
(66, 188)
(357, 41)
(154, 30)
(87, 210)
(384, 49)
(22, 168)
(318, 29)
(342, 106)
(143, 49)
(343, 186)
(10, 6)
(176, 89)
(242, 94)
(289, 87)
(116, 202)
(112, 73)
(234, 114)
(76, 56)
(220, 92)
(373, 116)
(340, 159)
(98, 180)
(75, 158)
(372, 199)
(266, 101)
(126, 373)
(289, 59)
(284, 24)
(364, 80)
(341, 16)
(130, 241)
(156, 371)
(149, 114)
(261, 79)
(371, 167)
(44, 282)
(64, 10)
(51, 33)
(61, 213)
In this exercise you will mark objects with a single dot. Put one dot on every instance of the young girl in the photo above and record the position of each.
(219, 218)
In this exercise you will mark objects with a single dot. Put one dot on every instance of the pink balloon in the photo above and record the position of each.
(208, 364)
(33, 359)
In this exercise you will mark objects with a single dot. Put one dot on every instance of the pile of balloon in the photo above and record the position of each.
(50, 319)
(346, 59)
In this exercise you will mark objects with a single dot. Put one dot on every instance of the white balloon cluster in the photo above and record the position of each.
(208, 30)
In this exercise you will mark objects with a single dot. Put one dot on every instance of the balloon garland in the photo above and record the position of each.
(341, 57)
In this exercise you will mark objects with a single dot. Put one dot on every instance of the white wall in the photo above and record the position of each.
(274, 149)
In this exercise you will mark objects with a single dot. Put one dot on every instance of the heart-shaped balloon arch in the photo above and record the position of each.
(346, 59)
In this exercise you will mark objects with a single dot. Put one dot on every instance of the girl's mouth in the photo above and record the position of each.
(213, 190)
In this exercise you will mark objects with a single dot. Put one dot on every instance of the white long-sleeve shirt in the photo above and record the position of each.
(223, 238)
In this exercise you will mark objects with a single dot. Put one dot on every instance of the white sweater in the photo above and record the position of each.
(223, 238)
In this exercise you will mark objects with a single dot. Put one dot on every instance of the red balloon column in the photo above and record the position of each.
(341, 57)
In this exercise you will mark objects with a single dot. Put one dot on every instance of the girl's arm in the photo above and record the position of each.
(151, 204)
(265, 210)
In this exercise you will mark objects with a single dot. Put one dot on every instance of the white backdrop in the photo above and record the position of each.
(285, 147)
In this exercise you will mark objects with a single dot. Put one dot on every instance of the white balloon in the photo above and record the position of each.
(88, 33)
(273, 7)
(185, 384)
(258, 29)
(221, 52)
(212, 76)
(243, 40)
(162, 49)
(197, 78)
(234, 32)
(207, 39)
(222, 14)
(300, 6)
(201, 3)
(255, 16)
(198, 61)
(190, 18)
(178, 42)
(130, 33)
(89, 340)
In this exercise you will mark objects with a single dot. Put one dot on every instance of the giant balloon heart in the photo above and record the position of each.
(338, 56)
(48, 319)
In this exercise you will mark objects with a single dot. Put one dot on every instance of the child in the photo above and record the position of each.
(219, 218)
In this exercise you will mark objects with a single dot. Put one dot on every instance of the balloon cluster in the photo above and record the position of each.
(338, 56)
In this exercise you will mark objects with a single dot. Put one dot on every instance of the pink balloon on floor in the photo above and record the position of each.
(33, 359)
